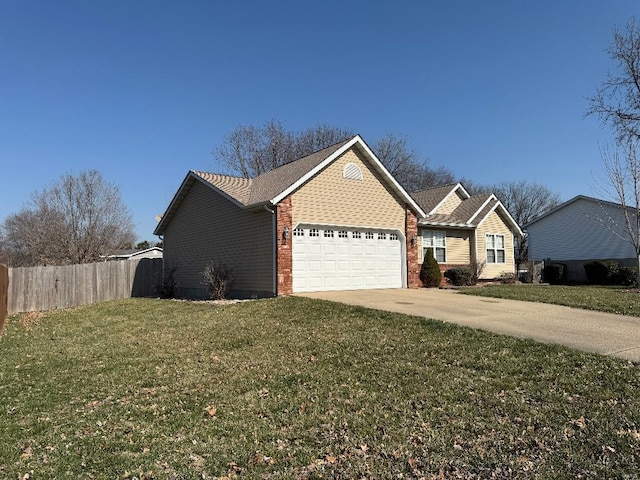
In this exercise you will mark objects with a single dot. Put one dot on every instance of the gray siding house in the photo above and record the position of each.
(578, 231)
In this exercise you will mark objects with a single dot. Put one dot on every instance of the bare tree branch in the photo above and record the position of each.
(75, 220)
(617, 101)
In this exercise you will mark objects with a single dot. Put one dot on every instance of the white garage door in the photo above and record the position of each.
(337, 258)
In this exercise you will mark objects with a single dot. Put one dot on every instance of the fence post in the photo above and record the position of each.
(4, 294)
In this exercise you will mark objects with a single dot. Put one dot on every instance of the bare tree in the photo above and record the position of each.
(250, 151)
(76, 220)
(622, 183)
(410, 169)
(617, 105)
(525, 201)
(617, 101)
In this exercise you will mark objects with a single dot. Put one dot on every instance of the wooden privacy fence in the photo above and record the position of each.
(4, 291)
(33, 289)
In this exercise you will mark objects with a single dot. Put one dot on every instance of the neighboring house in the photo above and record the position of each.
(578, 231)
(462, 229)
(333, 220)
(153, 252)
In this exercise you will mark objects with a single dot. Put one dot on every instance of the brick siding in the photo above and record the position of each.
(411, 234)
(284, 250)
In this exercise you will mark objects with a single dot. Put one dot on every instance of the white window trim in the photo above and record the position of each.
(495, 249)
(434, 247)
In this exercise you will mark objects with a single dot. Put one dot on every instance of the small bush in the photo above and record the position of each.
(627, 276)
(460, 276)
(168, 288)
(217, 277)
(555, 273)
(602, 272)
(430, 274)
(476, 268)
(507, 278)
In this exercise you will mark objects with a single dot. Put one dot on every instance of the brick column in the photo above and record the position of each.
(411, 232)
(284, 260)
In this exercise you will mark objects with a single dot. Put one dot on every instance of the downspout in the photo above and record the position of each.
(163, 248)
(274, 273)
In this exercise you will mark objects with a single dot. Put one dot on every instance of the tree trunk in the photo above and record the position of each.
(638, 277)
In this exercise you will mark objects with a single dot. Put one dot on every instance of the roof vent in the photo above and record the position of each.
(352, 172)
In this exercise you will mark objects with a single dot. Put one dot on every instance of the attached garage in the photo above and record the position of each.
(335, 219)
(343, 258)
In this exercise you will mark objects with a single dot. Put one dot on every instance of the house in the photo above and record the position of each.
(333, 220)
(153, 252)
(462, 229)
(580, 230)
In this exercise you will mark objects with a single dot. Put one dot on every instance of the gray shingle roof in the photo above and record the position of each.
(270, 184)
(237, 188)
(468, 208)
(430, 198)
(463, 213)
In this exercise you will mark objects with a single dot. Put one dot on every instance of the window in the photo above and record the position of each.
(328, 233)
(298, 232)
(342, 234)
(382, 236)
(393, 236)
(436, 240)
(356, 235)
(313, 232)
(368, 235)
(495, 248)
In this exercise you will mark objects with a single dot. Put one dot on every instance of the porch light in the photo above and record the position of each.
(414, 240)
(285, 234)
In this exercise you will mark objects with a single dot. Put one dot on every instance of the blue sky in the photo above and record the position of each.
(143, 90)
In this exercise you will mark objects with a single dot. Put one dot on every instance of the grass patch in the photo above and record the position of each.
(301, 388)
(619, 300)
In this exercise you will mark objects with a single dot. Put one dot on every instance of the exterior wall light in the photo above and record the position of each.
(414, 240)
(285, 234)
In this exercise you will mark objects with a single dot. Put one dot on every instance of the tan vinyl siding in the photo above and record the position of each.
(450, 203)
(496, 225)
(458, 246)
(208, 227)
(331, 199)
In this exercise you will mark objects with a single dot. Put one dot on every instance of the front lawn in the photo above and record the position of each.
(619, 300)
(300, 388)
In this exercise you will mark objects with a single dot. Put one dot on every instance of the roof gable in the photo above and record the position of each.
(470, 213)
(273, 186)
(573, 200)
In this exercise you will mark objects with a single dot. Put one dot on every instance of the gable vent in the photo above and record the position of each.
(352, 172)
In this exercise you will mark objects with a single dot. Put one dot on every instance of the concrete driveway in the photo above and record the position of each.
(606, 333)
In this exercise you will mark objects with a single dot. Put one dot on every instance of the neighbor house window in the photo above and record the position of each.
(313, 232)
(342, 234)
(298, 232)
(393, 236)
(495, 248)
(356, 235)
(382, 236)
(328, 233)
(368, 235)
(436, 240)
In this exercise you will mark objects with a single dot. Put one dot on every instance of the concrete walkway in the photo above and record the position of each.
(606, 333)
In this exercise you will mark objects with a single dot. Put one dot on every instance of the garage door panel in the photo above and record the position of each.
(314, 266)
(348, 259)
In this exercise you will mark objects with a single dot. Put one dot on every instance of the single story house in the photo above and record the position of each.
(132, 254)
(578, 231)
(333, 220)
